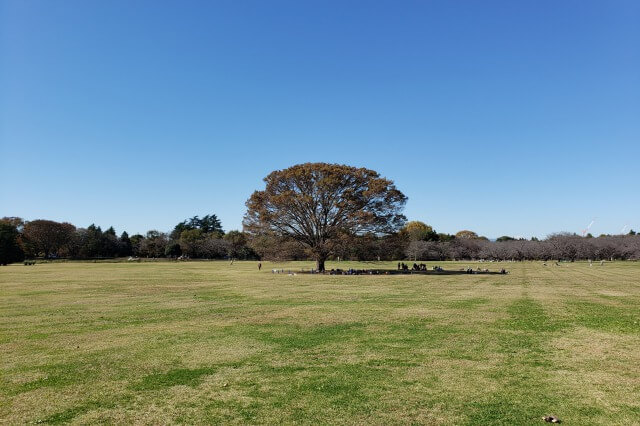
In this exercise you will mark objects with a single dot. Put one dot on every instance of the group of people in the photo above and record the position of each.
(421, 267)
(352, 271)
(404, 267)
(479, 271)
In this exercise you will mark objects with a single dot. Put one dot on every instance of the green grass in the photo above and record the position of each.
(207, 342)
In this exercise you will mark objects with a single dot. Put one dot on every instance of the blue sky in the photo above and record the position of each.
(517, 118)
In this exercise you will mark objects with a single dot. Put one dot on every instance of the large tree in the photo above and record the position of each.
(47, 237)
(315, 203)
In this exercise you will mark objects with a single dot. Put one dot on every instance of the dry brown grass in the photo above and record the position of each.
(207, 342)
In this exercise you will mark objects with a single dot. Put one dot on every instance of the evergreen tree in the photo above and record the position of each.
(210, 224)
(124, 245)
(93, 243)
(10, 250)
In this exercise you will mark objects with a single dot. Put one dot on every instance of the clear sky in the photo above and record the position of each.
(503, 117)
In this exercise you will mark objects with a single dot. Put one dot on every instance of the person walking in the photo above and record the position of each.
(259, 266)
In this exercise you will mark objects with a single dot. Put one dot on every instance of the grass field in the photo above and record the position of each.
(207, 342)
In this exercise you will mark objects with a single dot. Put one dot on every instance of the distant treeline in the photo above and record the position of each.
(204, 238)
(425, 244)
(558, 246)
(192, 238)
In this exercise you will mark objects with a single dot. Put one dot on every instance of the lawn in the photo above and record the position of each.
(210, 342)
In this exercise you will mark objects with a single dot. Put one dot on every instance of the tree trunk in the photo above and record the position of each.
(320, 264)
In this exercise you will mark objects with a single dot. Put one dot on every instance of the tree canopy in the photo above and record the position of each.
(207, 225)
(314, 203)
(47, 236)
(466, 234)
(20, 239)
(420, 231)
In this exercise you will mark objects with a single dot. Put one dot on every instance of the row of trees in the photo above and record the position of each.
(562, 246)
(207, 240)
(194, 238)
(408, 244)
(312, 210)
